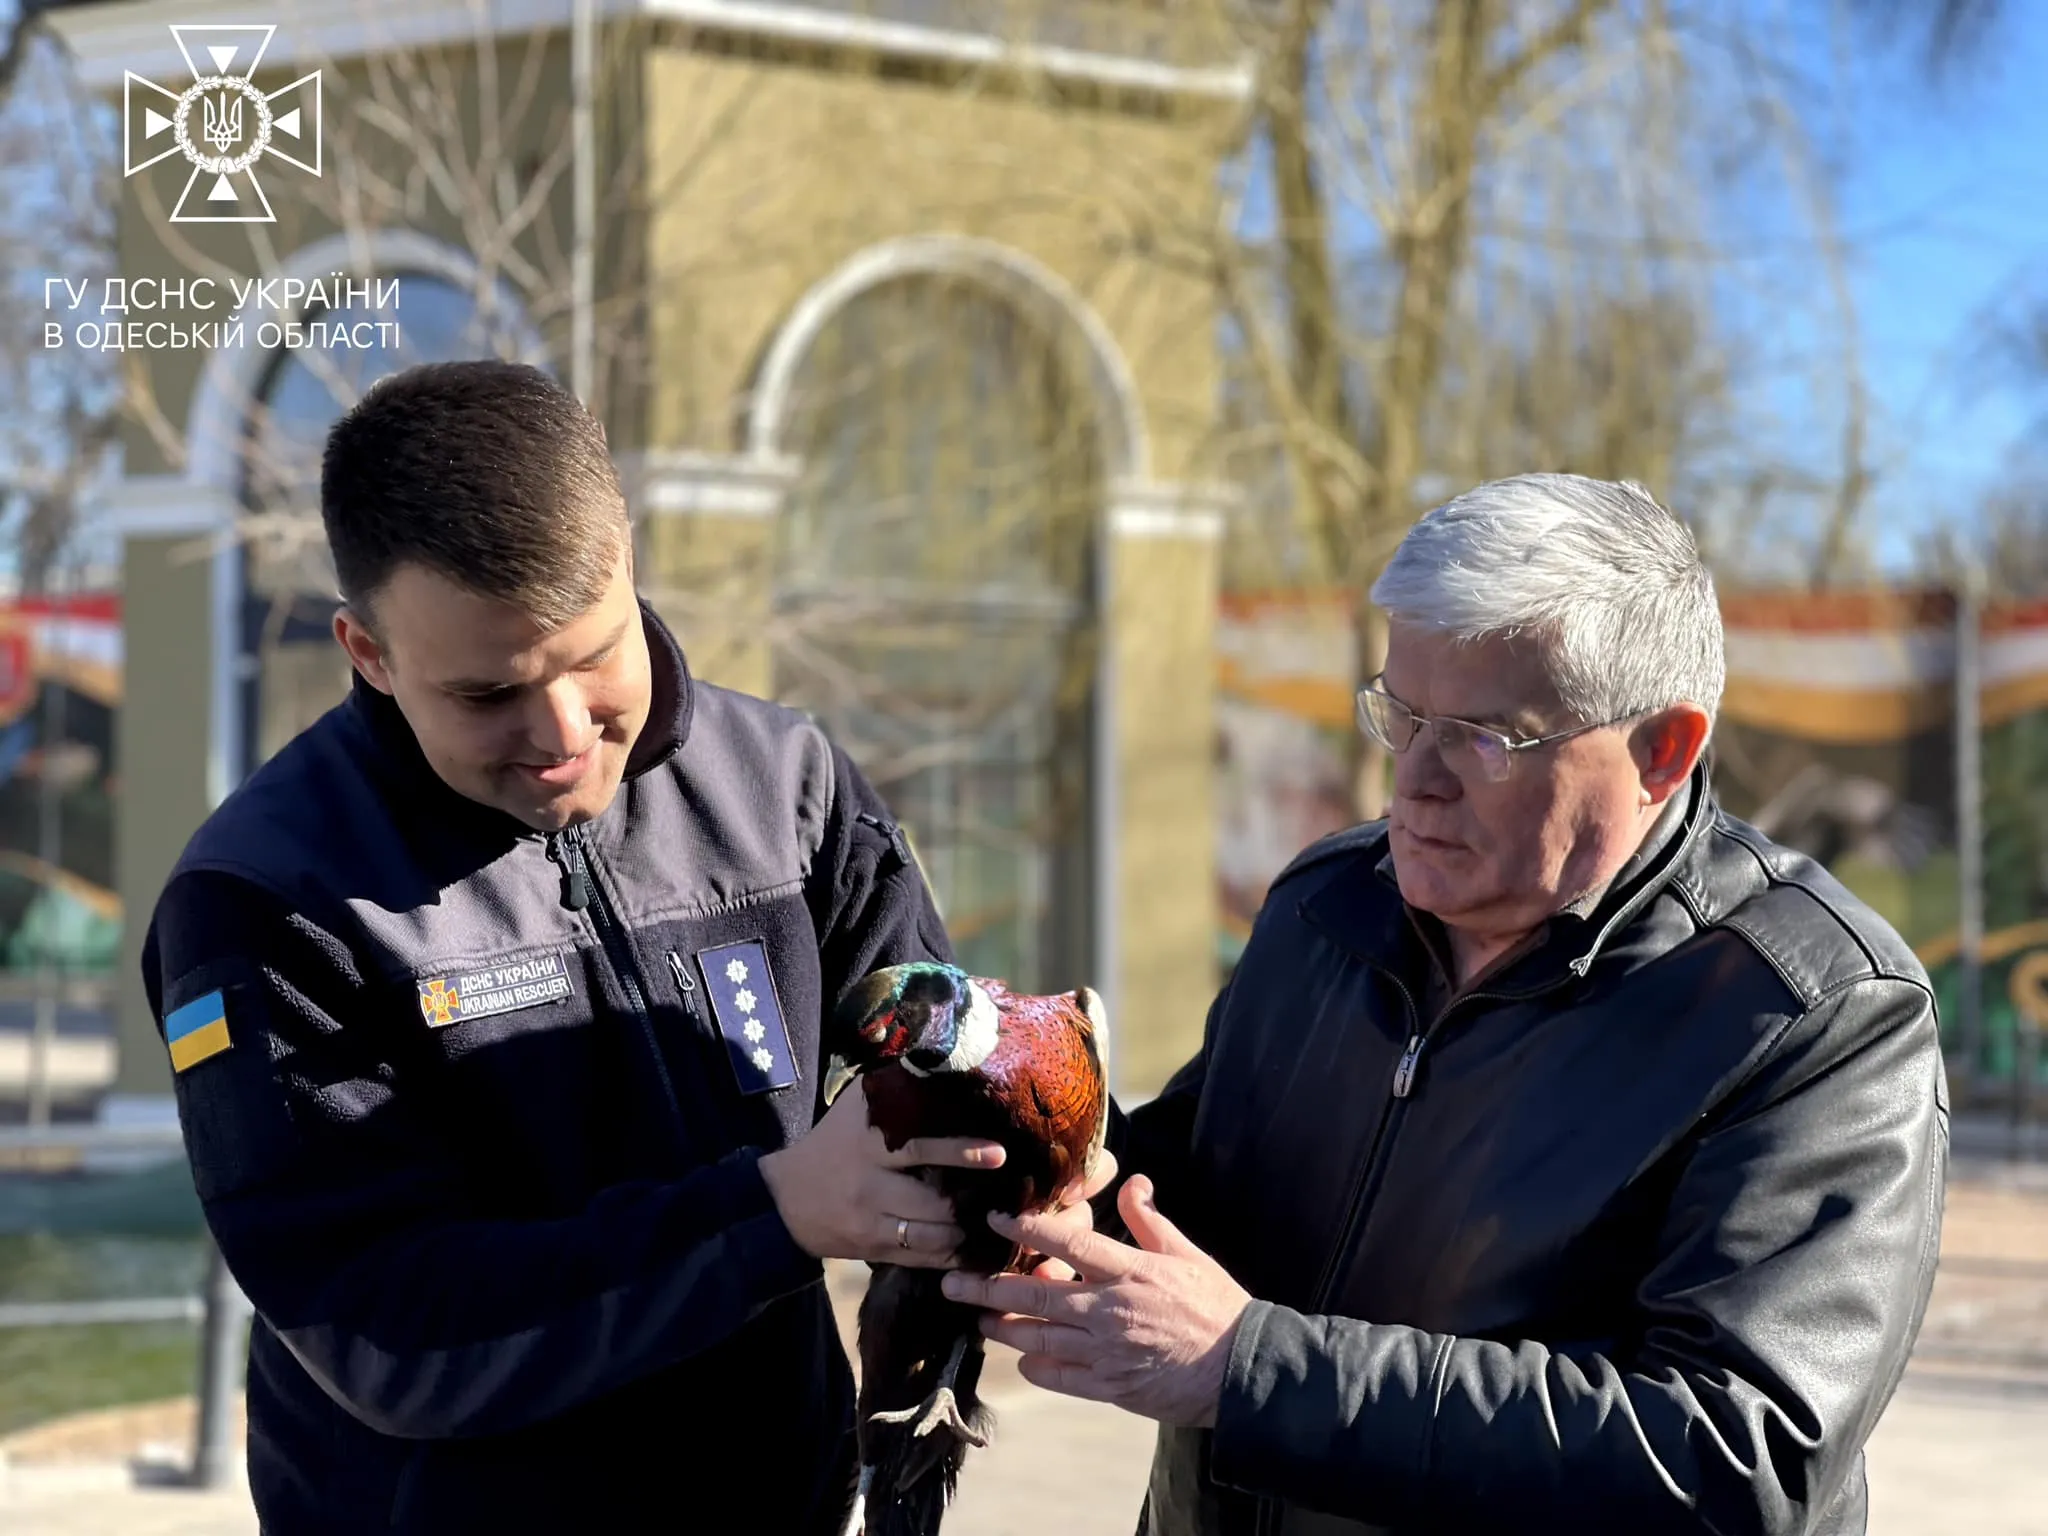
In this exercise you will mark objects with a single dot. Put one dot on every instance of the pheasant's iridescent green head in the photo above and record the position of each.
(929, 1016)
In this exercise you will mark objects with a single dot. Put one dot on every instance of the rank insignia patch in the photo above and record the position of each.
(749, 1015)
(492, 989)
(197, 1030)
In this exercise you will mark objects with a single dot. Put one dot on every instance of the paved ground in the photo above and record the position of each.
(1940, 1462)
(1964, 1445)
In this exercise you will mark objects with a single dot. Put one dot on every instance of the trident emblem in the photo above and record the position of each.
(224, 121)
(205, 122)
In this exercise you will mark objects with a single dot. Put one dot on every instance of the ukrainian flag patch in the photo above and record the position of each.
(197, 1030)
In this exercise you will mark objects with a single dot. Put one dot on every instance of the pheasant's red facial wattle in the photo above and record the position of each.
(886, 1033)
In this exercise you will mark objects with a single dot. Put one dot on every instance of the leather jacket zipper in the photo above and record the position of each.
(1402, 1088)
(1404, 1074)
(1355, 1204)
(581, 890)
(1266, 1518)
(1266, 1521)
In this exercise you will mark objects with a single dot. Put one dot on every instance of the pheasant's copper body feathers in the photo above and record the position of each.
(943, 1054)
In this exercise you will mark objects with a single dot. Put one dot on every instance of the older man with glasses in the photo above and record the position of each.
(1562, 1155)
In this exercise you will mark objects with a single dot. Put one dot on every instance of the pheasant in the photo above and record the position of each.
(940, 1053)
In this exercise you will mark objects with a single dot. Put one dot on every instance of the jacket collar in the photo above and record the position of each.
(397, 749)
(1360, 906)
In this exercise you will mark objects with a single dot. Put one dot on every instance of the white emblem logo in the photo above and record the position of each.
(222, 124)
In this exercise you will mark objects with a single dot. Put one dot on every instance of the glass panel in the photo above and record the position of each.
(933, 603)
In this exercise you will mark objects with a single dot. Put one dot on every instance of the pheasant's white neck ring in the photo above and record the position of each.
(974, 1036)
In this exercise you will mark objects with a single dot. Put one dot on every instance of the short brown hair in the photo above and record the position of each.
(489, 474)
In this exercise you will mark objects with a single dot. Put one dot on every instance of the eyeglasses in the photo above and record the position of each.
(1468, 749)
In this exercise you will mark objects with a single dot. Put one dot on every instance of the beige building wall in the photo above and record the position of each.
(160, 741)
(763, 178)
(1165, 680)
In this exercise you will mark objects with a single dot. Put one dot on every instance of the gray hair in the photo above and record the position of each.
(1609, 583)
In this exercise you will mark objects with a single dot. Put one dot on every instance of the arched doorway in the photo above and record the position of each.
(935, 598)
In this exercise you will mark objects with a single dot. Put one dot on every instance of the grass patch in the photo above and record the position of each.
(46, 1372)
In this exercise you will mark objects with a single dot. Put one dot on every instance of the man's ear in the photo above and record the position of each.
(1667, 747)
(365, 652)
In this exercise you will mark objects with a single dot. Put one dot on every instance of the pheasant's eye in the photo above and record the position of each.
(878, 1028)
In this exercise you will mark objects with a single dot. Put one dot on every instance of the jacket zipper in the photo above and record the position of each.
(1355, 1204)
(1266, 1521)
(581, 890)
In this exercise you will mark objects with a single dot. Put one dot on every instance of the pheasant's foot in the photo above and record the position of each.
(940, 1410)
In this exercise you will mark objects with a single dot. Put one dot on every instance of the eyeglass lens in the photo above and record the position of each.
(1465, 749)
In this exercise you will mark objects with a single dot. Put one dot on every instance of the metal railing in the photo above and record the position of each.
(220, 1309)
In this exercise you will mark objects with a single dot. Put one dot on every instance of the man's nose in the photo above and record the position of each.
(560, 722)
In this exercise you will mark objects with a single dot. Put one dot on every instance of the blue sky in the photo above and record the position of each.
(1945, 203)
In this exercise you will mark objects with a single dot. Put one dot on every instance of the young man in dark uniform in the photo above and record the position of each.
(495, 1005)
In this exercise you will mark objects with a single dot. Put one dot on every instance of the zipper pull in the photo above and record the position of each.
(681, 973)
(564, 850)
(1404, 1075)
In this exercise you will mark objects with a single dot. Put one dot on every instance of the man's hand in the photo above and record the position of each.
(1147, 1328)
(842, 1194)
(1073, 1214)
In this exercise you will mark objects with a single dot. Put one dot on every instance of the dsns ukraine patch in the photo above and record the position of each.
(494, 989)
(197, 1030)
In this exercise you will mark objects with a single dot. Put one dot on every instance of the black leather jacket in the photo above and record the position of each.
(1636, 1237)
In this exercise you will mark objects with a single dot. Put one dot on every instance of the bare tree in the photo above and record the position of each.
(1473, 238)
(59, 408)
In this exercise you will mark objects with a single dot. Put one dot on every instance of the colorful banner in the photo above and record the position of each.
(1836, 738)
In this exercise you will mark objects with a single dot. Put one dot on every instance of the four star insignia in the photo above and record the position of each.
(763, 1061)
(755, 1030)
(744, 1000)
(735, 971)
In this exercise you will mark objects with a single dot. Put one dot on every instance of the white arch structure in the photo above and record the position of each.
(754, 481)
(1041, 296)
(1021, 282)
